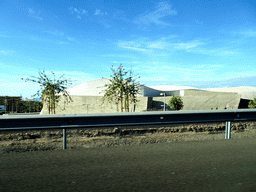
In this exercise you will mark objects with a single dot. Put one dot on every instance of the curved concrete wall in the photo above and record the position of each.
(93, 104)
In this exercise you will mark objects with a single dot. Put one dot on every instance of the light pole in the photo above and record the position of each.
(87, 106)
(5, 104)
(164, 99)
(12, 105)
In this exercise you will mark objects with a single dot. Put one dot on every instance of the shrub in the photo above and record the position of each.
(176, 103)
(252, 104)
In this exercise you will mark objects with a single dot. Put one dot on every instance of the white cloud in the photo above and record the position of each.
(40, 18)
(207, 66)
(158, 45)
(69, 73)
(198, 22)
(60, 35)
(143, 45)
(31, 11)
(98, 12)
(78, 12)
(55, 32)
(75, 9)
(152, 47)
(162, 10)
(227, 52)
(132, 46)
(137, 49)
(35, 14)
(129, 43)
(247, 32)
(214, 52)
(161, 55)
(201, 68)
(70, 39)
(60, 42)
(186, 46)
(1, 35)
(6, 52)
(177, 71)
(118, 62)
(129, 56)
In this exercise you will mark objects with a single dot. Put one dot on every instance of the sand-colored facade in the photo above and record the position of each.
(202, 100)
(93, 104)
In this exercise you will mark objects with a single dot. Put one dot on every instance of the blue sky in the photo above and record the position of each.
(192, 43)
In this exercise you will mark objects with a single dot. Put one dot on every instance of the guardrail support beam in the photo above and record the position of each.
(64, 139)
(227, 130)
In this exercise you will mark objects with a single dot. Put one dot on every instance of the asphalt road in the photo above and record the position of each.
(220, 165)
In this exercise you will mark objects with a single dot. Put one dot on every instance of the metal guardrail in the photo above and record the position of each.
(31, 113)
(69, 121)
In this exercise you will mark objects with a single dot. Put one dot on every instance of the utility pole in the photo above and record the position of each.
(164, 99)
(12, 105)
(5, 104)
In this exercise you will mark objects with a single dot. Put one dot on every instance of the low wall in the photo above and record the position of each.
(93, 104)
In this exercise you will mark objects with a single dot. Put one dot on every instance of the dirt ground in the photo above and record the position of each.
(117, 136)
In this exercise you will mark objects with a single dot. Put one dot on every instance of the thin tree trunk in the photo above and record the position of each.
(54, 106)
(121, 104)
(127, 104)
(49, 107)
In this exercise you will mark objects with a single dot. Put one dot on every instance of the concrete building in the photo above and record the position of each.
(196, 99)
(247, 94)
(88, 98)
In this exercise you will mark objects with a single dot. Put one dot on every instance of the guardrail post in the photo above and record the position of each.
(227, 130)
(64, 139)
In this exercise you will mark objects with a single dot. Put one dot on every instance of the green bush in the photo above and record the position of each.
(176, 103)
(252, 104)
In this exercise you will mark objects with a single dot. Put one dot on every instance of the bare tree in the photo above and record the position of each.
(122, 89)
(49, 89)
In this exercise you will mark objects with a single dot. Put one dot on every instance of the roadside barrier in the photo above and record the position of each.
(72, 121)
